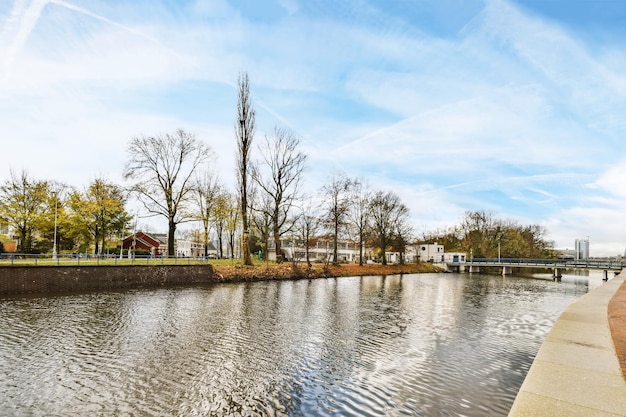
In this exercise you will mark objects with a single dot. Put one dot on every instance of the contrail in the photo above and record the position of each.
(25, 23)
(103, 19)
(26, 18)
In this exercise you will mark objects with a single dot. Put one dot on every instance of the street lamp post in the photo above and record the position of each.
(498, 251)
(54, 244)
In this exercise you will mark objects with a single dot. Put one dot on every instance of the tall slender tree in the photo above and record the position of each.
(244, 129)
(162, 168)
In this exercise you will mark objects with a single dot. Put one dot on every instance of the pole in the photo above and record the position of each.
(498, 251)
(54, 244)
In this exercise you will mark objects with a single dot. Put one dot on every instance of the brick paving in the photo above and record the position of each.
(617, 324)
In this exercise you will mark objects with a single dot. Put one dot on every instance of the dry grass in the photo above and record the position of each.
(288, 271)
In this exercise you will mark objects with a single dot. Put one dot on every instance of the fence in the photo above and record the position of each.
(20, 259)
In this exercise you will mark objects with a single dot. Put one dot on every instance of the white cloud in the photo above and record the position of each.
(513, 113)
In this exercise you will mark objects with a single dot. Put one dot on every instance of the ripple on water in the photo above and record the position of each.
(419, 345)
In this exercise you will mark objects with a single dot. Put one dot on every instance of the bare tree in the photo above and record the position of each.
(163, 167)
(278, 176)
(358, 214)
(388, 214)
(206, 190)
(262, 222)
(337, 204)
(309, 222)
(244, 128)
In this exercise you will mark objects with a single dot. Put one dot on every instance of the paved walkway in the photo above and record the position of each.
(578, 370)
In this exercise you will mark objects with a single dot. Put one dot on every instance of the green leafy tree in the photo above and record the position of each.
(224, 209)
(22, 206)
(98, 212)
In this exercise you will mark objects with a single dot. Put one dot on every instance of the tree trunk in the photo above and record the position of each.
(335, 249)
(384, 249)
(170, 238)
(279, 253)
(361, 248)
(220, 241)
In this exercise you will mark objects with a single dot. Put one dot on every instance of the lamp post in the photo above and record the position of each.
(54, 244)
(498, 251)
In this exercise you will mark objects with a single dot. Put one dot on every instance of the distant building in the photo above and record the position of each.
(320, 251)
(455, 257)
(431, 252)
(190, 249)
(581, 247)
(152, 243)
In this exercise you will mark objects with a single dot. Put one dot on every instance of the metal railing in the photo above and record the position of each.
(552, 263)
(20, 259)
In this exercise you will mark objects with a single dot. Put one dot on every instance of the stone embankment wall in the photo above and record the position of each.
(60, 279)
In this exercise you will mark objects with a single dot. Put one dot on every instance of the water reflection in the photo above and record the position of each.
(429, 345)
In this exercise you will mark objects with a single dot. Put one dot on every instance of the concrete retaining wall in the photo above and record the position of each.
(58, 279)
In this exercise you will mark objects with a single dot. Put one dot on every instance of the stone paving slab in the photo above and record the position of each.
(577, 371)
(532, 405)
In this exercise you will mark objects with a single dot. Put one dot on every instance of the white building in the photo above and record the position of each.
(455, 257)
(322, 251)
(431, 252)
(190, 249)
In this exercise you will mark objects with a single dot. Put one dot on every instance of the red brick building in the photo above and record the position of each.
(156, 244)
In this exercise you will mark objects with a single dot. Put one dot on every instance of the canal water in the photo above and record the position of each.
(415, 345)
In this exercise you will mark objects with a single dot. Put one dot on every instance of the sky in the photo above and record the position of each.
(516, 107)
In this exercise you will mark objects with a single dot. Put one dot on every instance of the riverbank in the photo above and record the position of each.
(225, 273)
(45, 280)
(578, 370)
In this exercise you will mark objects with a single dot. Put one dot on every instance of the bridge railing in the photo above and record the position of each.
(566, 263)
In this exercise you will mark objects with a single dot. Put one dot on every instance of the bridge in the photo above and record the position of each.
(556, 265)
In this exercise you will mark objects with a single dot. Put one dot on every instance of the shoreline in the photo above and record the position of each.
(47, 280)
(287, 271)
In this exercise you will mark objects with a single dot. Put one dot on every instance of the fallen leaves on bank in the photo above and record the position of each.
(288, 270)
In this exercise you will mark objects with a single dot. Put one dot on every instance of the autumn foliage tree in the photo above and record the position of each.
(22, 206)
(481, 233)
(99, 211)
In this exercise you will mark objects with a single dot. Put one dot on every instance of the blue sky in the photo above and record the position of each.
(516, 107)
